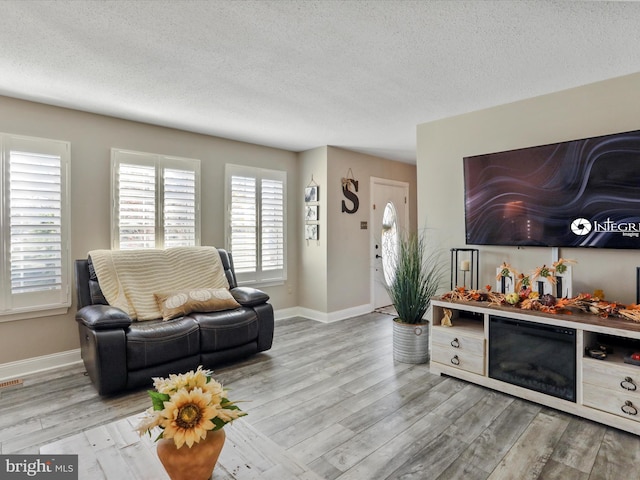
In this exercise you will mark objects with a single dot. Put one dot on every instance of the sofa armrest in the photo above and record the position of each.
(103, 317)
(265, 326)
(249, 297)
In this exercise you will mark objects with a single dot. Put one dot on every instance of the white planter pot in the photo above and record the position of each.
(410, 342)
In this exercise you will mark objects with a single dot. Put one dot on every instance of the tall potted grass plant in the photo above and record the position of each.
(417, 277)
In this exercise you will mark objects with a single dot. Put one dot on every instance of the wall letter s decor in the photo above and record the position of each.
(349, 183)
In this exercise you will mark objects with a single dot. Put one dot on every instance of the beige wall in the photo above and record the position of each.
(335, 271)
(92, 137)
(332, 274)
(601, 108)
(312, 266)
(349, 263)
(325, 276)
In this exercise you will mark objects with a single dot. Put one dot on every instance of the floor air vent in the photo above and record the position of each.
(11, 383)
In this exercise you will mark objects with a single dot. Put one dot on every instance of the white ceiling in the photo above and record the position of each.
(304, 73)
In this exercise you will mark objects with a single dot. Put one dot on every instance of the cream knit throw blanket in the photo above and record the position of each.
(129, 278)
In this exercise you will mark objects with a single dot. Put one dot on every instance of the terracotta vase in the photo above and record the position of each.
(195, 463)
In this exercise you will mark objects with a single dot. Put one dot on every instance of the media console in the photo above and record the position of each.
(541, 357)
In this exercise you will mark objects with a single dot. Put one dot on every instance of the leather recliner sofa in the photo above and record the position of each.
(120, 353)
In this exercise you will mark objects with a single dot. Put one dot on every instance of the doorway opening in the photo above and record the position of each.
(389, 217)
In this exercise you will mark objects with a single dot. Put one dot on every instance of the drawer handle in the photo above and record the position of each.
(628, 384)
(629, 409)
(455, 343)
(455, 360)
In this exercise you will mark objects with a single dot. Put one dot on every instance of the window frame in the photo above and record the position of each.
(259, 277)
(25, 305)
(160, 163)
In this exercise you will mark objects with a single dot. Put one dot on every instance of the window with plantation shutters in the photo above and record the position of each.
(35, 220)
(255, 223)
(156, 200)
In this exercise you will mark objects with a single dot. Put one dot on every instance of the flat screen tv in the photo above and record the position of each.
(581, 193)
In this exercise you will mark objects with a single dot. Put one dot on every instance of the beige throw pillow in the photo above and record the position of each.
(177, 304)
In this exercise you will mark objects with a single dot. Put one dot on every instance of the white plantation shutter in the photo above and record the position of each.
(156, 200)
(179, 208)
(255, 224)
(35, 272)
(244, 224)
(272, 224)
(136, 206)
(36, 225)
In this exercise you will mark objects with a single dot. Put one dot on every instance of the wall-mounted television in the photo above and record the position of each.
(581, 193)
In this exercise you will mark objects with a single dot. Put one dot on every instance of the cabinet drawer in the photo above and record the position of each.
(453, 357)
(614, 377)
(463, 341)
(626, 406)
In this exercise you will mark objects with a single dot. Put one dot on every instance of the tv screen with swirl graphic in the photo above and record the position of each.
(581, 193)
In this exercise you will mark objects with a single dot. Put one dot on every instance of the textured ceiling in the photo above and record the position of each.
(300, 74)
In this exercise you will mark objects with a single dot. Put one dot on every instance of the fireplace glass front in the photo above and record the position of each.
(533, 356)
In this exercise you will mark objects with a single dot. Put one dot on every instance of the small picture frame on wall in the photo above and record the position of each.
(311, 232)
(311, 213)
(311, 193)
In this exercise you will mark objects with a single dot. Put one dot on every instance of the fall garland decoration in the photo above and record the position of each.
(528, 300)
(523, 297)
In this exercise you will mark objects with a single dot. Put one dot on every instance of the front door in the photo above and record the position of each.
(389, 219)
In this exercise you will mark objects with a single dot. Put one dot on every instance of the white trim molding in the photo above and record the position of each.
(284, 313)
(28, 366)
(335, 316)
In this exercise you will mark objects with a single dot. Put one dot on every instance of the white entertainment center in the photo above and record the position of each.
(606, 391)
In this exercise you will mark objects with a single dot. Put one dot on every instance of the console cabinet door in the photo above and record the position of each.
(615, 378)
(458, 359)
(454, 338)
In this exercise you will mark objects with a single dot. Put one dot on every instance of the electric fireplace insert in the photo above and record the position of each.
(533, 356)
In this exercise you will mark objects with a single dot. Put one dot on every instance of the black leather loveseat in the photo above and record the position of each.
(120, 353)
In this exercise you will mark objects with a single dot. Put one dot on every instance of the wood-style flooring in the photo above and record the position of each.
(332, 396)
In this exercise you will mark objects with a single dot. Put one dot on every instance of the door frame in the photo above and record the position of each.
(373, 181)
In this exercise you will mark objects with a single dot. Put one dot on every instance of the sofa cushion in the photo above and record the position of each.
(155, 341)
(177, 304)
(222, 330)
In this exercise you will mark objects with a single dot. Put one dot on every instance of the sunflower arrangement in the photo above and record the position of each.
(186, 406)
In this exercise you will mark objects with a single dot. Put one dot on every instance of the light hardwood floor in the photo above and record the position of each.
(332, 396)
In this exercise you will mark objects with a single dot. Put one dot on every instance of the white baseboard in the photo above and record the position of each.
(283, 313)
(329, 317)
(28, 366)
